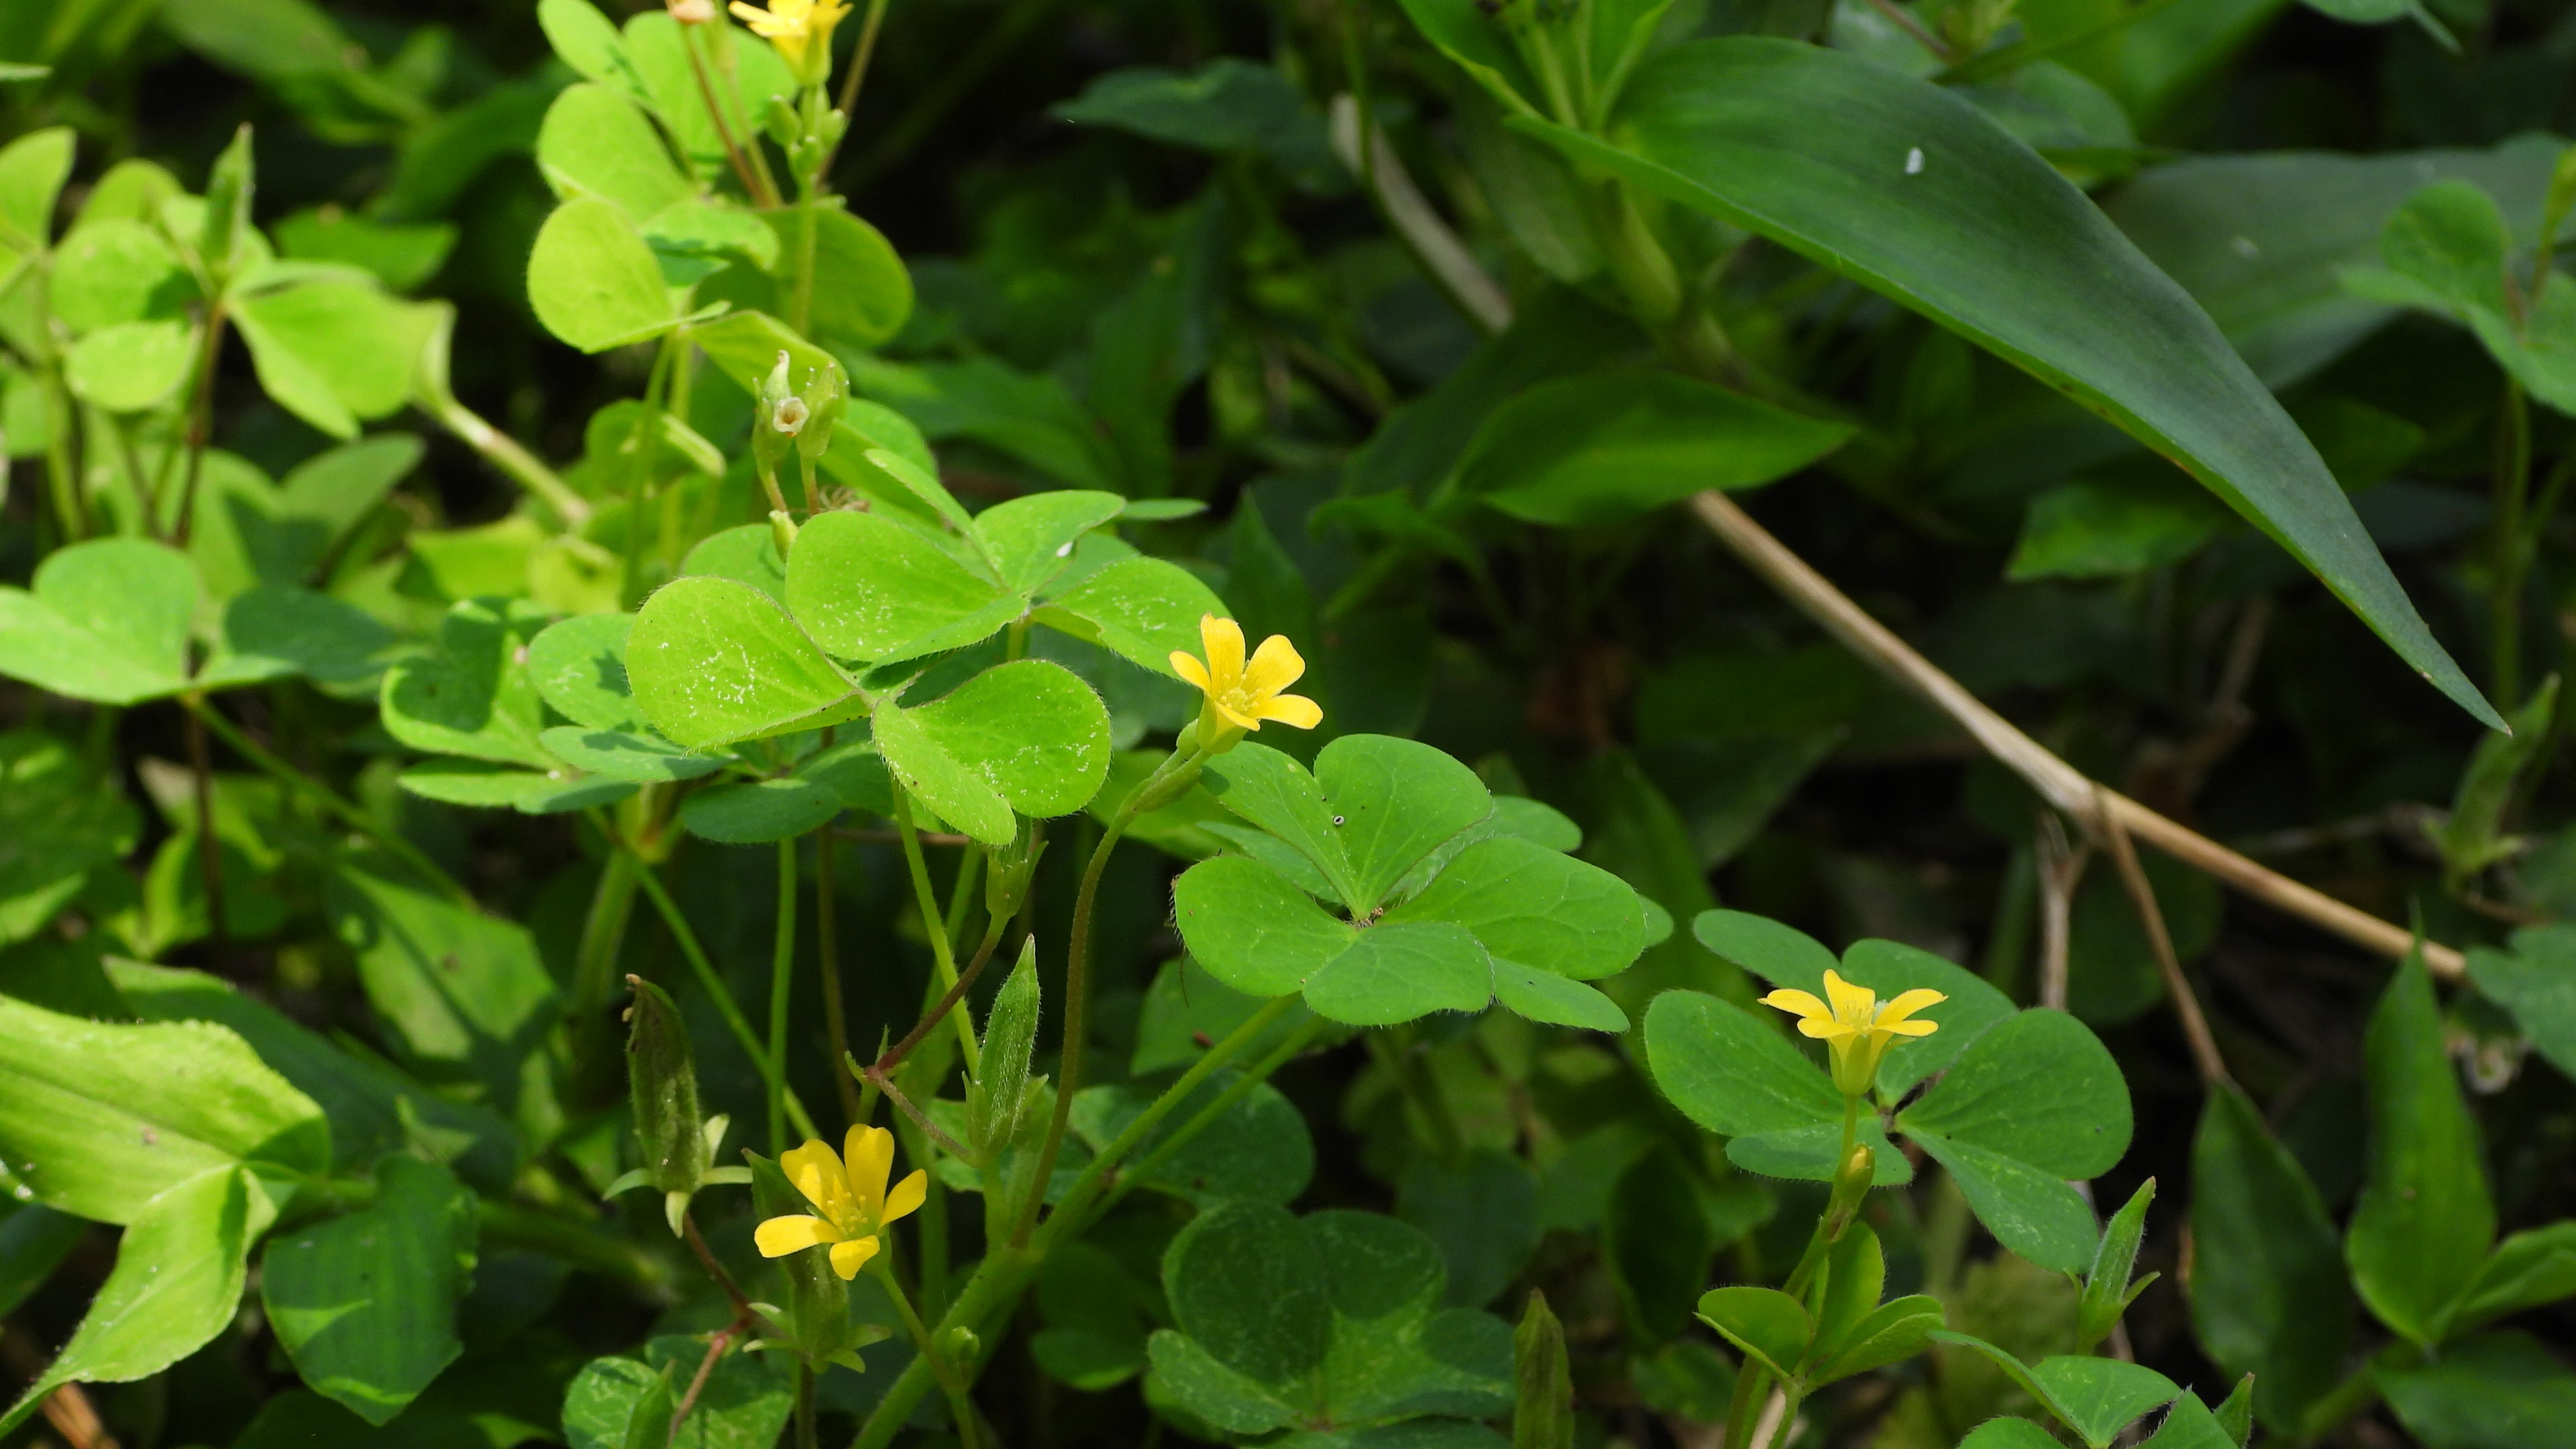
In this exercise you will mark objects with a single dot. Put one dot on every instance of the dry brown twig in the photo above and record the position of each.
(2058, 783)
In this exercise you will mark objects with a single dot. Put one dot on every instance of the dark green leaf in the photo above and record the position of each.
(1606, 448)
(2268, 1293)
(365, 1305)
(1986, 239)
(2424, 1222)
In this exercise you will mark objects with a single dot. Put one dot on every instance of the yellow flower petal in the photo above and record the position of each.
(779, 1237)
(762, 23)
(1188, 667)
(817, 1174)
(1294, 709)
(1802, 1003)
(870, 1151)
(1906, 1004)
(1824, 1028)
(1223, 640)
(1908, 1028)
(1852, 1004)
(907, 1197)
(1275, 666)
(1233, 716)
(848, 1258)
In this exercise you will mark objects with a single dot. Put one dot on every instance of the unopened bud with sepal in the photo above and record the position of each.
(678, 1144)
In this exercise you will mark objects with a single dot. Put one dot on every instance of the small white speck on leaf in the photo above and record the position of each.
(1914, 161)
(1065, 550)
(2244, 247)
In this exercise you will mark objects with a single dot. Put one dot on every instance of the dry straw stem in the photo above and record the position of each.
(2059, 783)
(1409, 212)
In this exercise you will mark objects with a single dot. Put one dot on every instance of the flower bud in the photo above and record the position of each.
(693, 12)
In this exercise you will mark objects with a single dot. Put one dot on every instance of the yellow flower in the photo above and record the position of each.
(800, 29)
(1856, 1028)
(850, 1202)
(1240, 695)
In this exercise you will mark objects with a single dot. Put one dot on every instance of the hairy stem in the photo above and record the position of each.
(713, 984)
(933, 923)
(782, 966)
(1077, 1001)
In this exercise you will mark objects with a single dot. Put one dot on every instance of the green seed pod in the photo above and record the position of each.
(1010, 1038)
(1543, 1383)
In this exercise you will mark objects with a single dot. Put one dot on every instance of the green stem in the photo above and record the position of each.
(713, 984)
(2512, 491)
(998, 1281)
(1077, 1002)
(503, 452)
(323, 795)
(782, 967)
(603, 933)
(1208, 1116)
(827, 950)
(959, 1403)
(933, 923)
(806, 1435)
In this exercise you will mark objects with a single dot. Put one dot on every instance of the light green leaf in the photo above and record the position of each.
(473, 696)
(373, 1109)
(2038, 1087)
(593, 281)
(1540, 909)
(1988, 240)
(59, 820)
(1769, 1326)
(463, 997)
(335, 352)
(713, 661)
(1142, 609)
(1032, 537)
(2098, 1397)
(107, 621)
(867, 587)
(862, 294)
(596, 143)
(1732, 1074)
(1028, 736)
(745, 1404)
(621, 755)
(1604, 448)
(131, 367)
(101, 1118)
(588, 42)
(1252, 930)
(759, 811)
(1396, 972)
(480, 784)
(177, 1281)
(579, 669)
(33, 169)
(2424, 1221)
(1373, 807)
(115, 271)
(365, 1305)
(275, 630)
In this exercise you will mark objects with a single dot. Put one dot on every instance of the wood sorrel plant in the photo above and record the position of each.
(1184, 596)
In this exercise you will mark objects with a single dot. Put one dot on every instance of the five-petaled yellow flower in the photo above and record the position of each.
(800, 29)
(851, 1204)
(1239, 695)
(1856, 1028)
